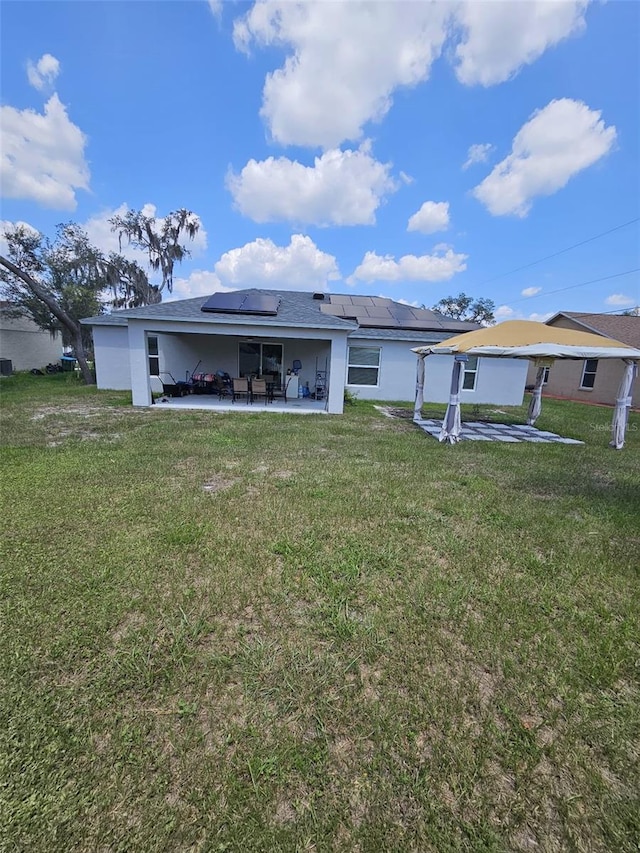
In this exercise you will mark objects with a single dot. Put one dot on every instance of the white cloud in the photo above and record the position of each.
(620, 300)
(540, 317)
(371, 49)
(5, 225)
(502, 37)
(557, 142)
(341, 188)
(44, 72)
(530, 291)
(199, 283)
(42, 156)
(435, 267)
(414, 304)
(216, 7)
(504, 312)
(298, 266)
(100, 234)
(478, 154)
(432, 216)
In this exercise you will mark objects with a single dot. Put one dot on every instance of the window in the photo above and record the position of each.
(589, 374)
(364, 366)
(256, 359)
(470, 373)
(545, 378)
(154, 356)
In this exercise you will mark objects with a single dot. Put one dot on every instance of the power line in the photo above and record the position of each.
(561, 252)
(619, 311)
(573, 286)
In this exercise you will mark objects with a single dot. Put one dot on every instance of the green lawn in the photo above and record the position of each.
(284, 633)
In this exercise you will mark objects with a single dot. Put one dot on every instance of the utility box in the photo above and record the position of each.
(6, 367)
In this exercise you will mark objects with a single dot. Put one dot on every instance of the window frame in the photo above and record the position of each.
(357, 365)
(586, 372)
(261, 356)
(153, 357)
(471, 372)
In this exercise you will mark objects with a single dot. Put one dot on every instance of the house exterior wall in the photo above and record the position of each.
(499, 381)
(26, 344)
(565, 376)
(111, 350)
(397, 371)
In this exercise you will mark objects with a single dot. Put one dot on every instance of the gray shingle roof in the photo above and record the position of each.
(297, 308)
(620, 327)
(400, 335)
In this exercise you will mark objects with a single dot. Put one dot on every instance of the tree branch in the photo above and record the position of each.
(42, 294)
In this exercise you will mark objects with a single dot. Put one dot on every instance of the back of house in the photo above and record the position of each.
(330, 342)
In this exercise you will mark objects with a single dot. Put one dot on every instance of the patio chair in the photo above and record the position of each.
(259, 389)
(240, 389)
(220, 387)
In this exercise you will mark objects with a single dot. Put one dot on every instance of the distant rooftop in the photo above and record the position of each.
(620, 327)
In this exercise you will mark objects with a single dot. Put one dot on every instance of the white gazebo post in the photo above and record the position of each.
(623, 404)
(417, 409)
(535, 405)
(452, 425)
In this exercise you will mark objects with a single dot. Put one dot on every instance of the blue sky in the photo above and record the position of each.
(410, 150)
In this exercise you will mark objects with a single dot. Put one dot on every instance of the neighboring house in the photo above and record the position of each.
(25, 343)
(590, 380)
(362, 343)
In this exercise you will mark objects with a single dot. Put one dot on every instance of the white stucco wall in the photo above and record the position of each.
(499, 381)
(396, 376)
(111, 350)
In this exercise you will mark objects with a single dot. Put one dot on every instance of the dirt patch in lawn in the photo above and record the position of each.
(217, 484)
(396, 412)
(83, 410)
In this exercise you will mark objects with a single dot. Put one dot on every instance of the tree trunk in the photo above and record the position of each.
(78, 346)
(72, 326)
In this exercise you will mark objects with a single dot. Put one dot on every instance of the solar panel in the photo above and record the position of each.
(261, 303)
(241, 302)
(334, 310)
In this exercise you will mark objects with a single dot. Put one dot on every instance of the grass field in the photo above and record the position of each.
(283, 633)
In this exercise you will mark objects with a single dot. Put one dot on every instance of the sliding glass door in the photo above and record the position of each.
(256, 359)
